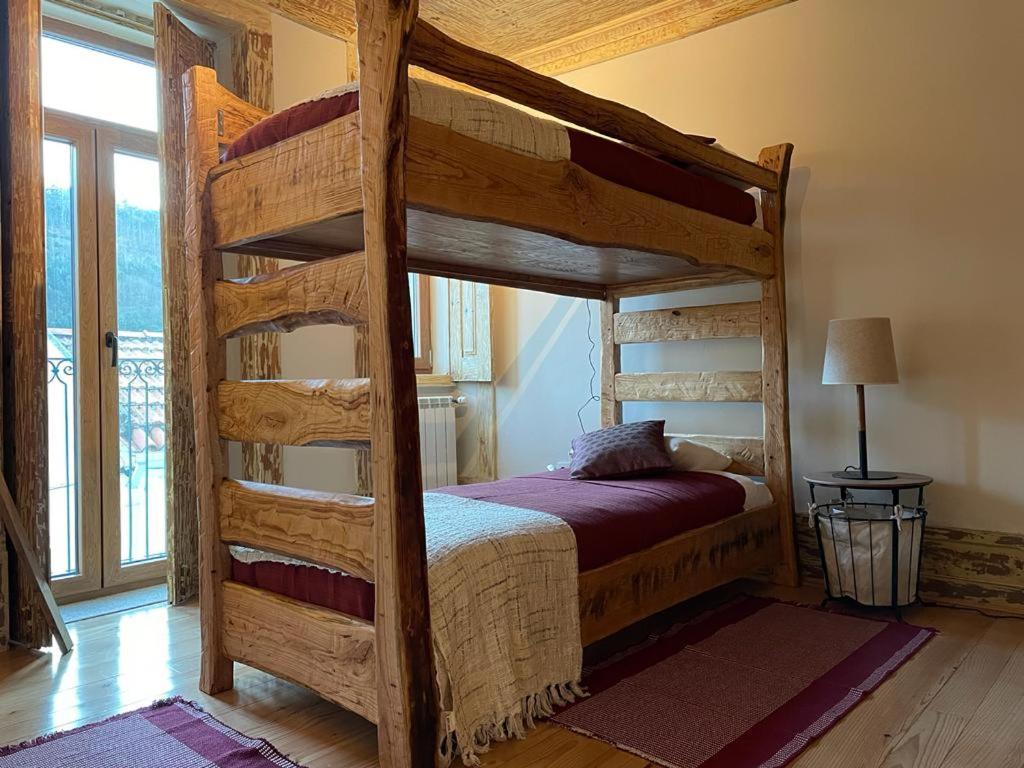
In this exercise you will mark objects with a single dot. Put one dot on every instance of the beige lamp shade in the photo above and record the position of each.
(860, 351)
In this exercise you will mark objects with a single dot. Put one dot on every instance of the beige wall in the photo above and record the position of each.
(904, 201)
(307, 63)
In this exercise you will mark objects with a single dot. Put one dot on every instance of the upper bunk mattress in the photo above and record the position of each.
(610, 519)
(518, 131)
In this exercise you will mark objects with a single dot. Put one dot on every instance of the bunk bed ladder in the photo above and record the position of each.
(380, 669)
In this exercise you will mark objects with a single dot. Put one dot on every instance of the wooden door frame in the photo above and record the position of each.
(59, 125)
(111, 139)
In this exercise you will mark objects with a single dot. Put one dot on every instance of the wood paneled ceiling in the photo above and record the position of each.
(549, 36)
(553, 36)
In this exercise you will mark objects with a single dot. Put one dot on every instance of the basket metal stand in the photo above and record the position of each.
(880, 520)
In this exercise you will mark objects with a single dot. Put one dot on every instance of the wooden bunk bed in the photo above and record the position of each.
(403, 195)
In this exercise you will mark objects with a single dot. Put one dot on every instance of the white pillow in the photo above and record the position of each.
(688, 456)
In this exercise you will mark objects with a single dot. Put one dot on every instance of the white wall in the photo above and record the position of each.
(904, 201)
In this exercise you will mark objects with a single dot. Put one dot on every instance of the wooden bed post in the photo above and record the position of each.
(203, 267)
(611, 363)
(406, 701)
(775, 372)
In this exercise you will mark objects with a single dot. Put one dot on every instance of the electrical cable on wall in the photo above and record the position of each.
(594, 398)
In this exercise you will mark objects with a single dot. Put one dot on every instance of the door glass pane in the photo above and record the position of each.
(414, 306)
(140, 323)
(61, 310)
(79, 79)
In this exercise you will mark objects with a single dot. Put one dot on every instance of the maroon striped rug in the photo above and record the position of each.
(168, 734)
(749, 684)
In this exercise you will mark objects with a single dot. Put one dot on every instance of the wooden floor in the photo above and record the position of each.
(958, 704)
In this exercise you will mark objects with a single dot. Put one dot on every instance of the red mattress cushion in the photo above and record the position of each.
(610, 519)
(611, 160)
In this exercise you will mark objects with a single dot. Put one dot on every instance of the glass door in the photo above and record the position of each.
(132, 369)
(69, 181)
(104, 318)
(104, 287)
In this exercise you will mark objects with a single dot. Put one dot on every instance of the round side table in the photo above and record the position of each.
(904, 481)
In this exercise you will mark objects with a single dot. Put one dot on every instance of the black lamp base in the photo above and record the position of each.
(856, 474)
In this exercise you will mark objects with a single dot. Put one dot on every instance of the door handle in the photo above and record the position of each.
(111, 344)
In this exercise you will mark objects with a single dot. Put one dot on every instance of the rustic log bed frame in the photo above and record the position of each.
(402, 195)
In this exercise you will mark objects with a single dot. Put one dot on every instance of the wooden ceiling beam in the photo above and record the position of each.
(660, 23)
(230, 15)
(336, 18)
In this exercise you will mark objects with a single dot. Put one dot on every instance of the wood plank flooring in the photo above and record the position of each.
(958, 704)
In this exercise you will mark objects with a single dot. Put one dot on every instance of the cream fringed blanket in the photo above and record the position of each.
(504, 611)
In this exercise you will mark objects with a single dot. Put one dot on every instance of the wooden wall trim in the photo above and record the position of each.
(24, 300)
(177, 49)
(960, 568)
(74, 33)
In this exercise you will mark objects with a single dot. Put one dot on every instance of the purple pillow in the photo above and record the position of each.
(625, 449)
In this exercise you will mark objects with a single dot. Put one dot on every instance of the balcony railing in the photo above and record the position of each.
(141, 438)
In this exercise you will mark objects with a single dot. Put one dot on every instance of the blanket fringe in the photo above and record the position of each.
(514, 724)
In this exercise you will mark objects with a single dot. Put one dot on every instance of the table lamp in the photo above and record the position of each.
(860, 351)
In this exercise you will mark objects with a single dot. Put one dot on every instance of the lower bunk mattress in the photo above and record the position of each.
(609, 519)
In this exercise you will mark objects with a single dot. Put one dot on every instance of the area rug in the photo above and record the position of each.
(168, 734)
(747, 685)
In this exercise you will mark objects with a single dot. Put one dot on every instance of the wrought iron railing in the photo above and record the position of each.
(63, 467)
(141, 428)
(141, 454)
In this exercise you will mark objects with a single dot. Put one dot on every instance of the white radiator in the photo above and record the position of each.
(437, 441)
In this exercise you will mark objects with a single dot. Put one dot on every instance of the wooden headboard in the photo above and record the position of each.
(767, 456)
(717, 321)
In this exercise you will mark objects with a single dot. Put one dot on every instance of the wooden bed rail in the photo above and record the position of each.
(324, 412)
(330, 291)
(330, 652)
(435, 51)
(334, 530)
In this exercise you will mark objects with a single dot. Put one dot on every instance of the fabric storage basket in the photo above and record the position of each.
(870, 553)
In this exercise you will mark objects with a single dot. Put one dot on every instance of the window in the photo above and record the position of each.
(97, 83)
(419, 295)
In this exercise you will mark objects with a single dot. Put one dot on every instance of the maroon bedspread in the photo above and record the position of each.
(611, 160)
(615, 518)
(610, 519)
